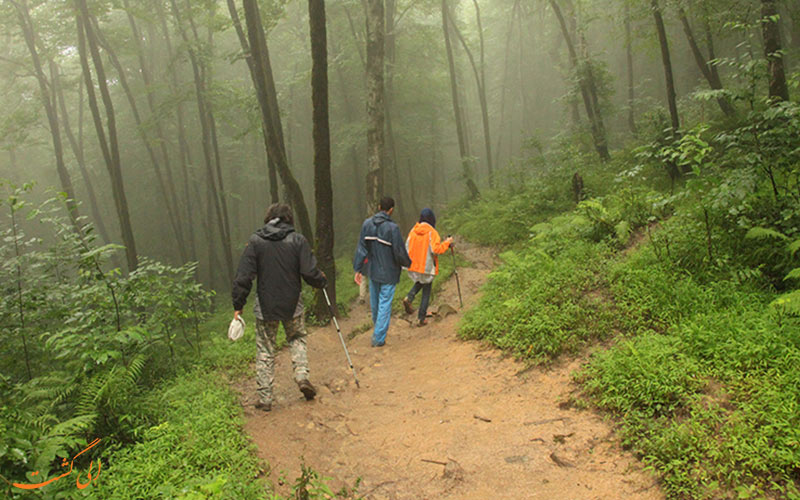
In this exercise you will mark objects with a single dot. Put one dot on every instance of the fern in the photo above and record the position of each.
(760, 233)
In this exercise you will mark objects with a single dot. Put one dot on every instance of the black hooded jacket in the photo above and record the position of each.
(278, 257)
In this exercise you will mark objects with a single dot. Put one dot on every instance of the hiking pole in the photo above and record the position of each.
(455, 271)
(339, 331)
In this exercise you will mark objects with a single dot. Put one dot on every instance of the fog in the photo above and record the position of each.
(192, 155)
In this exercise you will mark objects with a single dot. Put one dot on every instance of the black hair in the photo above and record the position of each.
(386, 204)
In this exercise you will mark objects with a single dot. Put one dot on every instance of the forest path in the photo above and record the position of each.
(438, 417)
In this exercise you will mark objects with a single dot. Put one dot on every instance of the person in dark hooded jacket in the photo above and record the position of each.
(382, 251)
(278, 257)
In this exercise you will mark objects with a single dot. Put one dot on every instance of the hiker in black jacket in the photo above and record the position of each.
(278, 256)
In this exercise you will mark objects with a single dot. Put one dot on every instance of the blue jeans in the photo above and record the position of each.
(380, 300)
(426, 297)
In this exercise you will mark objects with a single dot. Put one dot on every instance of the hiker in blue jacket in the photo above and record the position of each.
(384, 249)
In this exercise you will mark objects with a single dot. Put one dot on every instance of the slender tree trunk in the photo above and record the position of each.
(77, 150)
(203, 116)
(375, 103)
(392, 164)
(350, 115)
(171, 190)
(480, 84)
(598, 133)
(268, 101)
(629, 60)
(248, 55)
(501, 122)
(487, 139)
(183, 145)
(665, 59)
(109, 146)
(323, 190)
(454, 94)
(591, 82)
(49, 102)
(166, 187)
(778, 90)
(704, 66)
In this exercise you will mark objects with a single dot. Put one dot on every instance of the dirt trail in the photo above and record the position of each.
(437, 417)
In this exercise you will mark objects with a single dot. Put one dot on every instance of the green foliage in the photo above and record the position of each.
(196, 451)
(700, 286)
(91, 339)
(543, 301)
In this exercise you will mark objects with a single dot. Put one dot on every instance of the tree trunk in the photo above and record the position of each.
(480, 82)
(704, 66)
(162, 139)
(323, 190)
(248, 56)
(462, 146)
(166, 188)
(501, 122)
(109, 146)
(183, 145)
(268, 101)
(598, 133)
(49, 103)
(358, 209)
(77, 150)
(665, 59)
(629, 60)
(205, 125)
(392, 164)
(375, 104)
(484, 102)
(778, 90)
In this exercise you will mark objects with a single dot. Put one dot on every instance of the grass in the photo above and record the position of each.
(197, 447)
(703, 374)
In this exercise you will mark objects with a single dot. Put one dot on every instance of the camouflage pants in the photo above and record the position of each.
(266, 332)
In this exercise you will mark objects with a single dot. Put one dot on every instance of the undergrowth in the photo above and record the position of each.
(697, 285)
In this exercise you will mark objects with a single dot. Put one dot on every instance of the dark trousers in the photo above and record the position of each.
(426, 297)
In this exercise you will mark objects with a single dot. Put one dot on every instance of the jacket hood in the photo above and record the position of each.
(380, 218)
(422, 228)
(275, 230)
(427, 216)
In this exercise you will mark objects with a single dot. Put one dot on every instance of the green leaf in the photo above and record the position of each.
(757, 233)
(793, 274)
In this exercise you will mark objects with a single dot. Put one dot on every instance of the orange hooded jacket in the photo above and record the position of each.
(423, 245)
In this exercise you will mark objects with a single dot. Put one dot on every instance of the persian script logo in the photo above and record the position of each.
(90, 477)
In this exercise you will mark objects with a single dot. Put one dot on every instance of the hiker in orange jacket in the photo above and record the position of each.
(424, 245)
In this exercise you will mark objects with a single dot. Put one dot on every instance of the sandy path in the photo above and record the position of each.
(428, 396)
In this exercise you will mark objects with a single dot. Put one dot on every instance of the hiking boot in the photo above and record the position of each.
(307, 389)
(422, 322)
(265, 407)
(407, 305)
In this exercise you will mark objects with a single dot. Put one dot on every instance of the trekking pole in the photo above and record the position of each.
(455, 271)
(339, 331)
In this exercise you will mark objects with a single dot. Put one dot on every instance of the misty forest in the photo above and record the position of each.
(618, 318)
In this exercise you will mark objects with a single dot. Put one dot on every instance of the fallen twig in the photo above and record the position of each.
(547, 421)
(437, 462)
(483, 419)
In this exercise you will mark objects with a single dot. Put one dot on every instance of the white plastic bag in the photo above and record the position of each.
(236, 329)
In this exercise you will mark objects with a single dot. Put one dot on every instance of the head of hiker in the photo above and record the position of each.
(427, 216)
(386, 205)
(278, 257)
(277, 213)
(381, 254)
(424, 245)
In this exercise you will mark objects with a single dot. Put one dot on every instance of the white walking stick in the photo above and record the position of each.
(339, 331)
